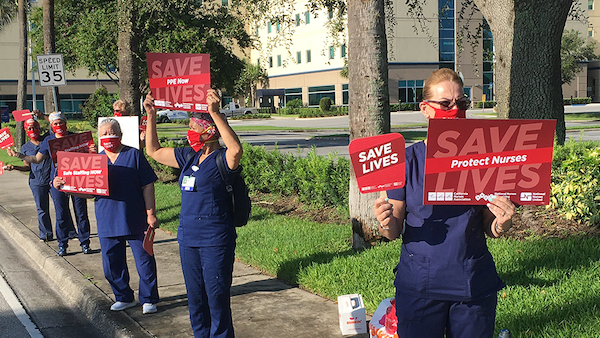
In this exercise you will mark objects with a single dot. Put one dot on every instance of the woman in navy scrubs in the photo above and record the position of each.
(39, 178)
(206, 234)
(446, 281)
(64, 222)
(123, 217)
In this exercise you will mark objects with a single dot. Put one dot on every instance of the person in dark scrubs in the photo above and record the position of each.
(39, 178)
(206, 234)
(446, 280)
(123, 218)
(64, 222)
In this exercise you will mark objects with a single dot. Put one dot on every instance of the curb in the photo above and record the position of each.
(78, 292)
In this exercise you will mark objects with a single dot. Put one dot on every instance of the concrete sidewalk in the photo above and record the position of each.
(262, 306)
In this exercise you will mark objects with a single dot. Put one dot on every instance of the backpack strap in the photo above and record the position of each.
(224, 173)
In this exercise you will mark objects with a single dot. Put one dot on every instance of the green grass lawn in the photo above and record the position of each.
(553, 285)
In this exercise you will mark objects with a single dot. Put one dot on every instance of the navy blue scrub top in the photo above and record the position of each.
(40, 173)
(444, 255)
(45, 149)
(205, 218)
(123, 212)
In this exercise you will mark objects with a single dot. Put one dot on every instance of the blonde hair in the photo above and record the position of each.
(440, 75)
(123, 106)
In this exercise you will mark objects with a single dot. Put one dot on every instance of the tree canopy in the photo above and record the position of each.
(87, 32)
(573, 51)
(8, 11)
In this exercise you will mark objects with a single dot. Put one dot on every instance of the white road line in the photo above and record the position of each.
(18, 309)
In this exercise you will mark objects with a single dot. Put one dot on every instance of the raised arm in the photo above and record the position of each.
(230, 138)
(35, 159)
(165, 155)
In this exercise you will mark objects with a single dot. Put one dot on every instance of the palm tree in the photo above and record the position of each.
(8, 11)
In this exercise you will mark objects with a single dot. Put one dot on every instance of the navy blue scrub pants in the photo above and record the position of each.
(420, 317)
(114, 261)
(41, 196)
(64, 222)
(208, 274)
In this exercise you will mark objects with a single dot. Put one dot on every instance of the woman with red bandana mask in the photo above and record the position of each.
(206, 234)
(64, 221)
(123, 217)
(446, 281)
(39, 178)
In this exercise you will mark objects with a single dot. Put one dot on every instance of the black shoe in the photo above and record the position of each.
(86, 249)
(46, 239)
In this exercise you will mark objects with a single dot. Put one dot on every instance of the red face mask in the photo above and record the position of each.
(447, 114)
(59, 129)
(33, 134)
(110, 142)
(118, 114)
(195, 140)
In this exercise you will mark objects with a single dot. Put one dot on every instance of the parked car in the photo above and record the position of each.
(171, 115)
(238, 111)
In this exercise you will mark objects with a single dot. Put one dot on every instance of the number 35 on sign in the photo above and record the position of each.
(51, 70)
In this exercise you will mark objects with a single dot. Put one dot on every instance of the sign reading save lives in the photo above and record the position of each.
(51, 70)
(378, 162)
(73, 143)
(470, 160)
(179, 81)
(83, 173)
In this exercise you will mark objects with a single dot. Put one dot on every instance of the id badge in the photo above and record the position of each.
(188, 182)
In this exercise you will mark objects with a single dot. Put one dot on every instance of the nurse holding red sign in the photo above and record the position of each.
(446, 280)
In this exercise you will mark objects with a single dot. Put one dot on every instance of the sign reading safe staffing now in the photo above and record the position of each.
(469, 160)
(79, 143)
(179, 81)
(378, 162)
(83, 173)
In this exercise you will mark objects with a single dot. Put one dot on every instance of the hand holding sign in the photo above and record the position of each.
(378, 162)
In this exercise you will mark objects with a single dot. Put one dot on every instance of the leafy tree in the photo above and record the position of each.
(573, 51)
(251, 76)
(98, 104)
(88, 34)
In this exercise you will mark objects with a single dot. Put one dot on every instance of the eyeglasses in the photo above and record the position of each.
(117, 110)
(463, 103)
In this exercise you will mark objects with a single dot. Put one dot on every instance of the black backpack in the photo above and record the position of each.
(241, 205)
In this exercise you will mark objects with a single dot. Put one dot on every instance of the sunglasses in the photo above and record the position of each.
(462, 103)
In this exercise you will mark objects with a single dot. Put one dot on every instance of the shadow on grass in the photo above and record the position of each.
(555, 258)
(289, 271)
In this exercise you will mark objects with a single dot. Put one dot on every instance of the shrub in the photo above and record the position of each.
(325, 104)
(409, 106)
(574, 189)
(577, 100)
(488, 104)
(295, 103)
(98, 104)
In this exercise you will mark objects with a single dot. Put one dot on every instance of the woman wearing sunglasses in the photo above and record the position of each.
(446, 280)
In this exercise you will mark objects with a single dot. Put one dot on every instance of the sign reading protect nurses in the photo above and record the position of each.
(469, 160)
(179, 81)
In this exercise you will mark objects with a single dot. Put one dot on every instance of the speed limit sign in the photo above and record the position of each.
(51, 70)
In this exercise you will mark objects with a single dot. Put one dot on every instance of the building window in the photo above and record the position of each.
(292, 94)
(591, 5)
(270, 62)
(488, 62)
(224, 2)
(278, 60)
(410, 91)
(345, 94)
(330, 14)
(331, 52)
(256, 31)
(308, 56)
(590, 32)
(343, 51)
(446, 33)
(307, 17)
(269, 27)
(299, 57)
(297, 20)
(278, 27)
(315, 94)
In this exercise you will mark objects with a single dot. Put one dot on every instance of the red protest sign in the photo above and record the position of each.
(22, 115)
(1, 168)
(143, 123)
(148, 243)
(83, 173)
(6, 139)
(468, 161)
(79, 143)
(378, 162)
(179, 81)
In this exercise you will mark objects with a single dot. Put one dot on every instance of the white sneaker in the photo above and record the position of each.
(120, 306)
(148, 308)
